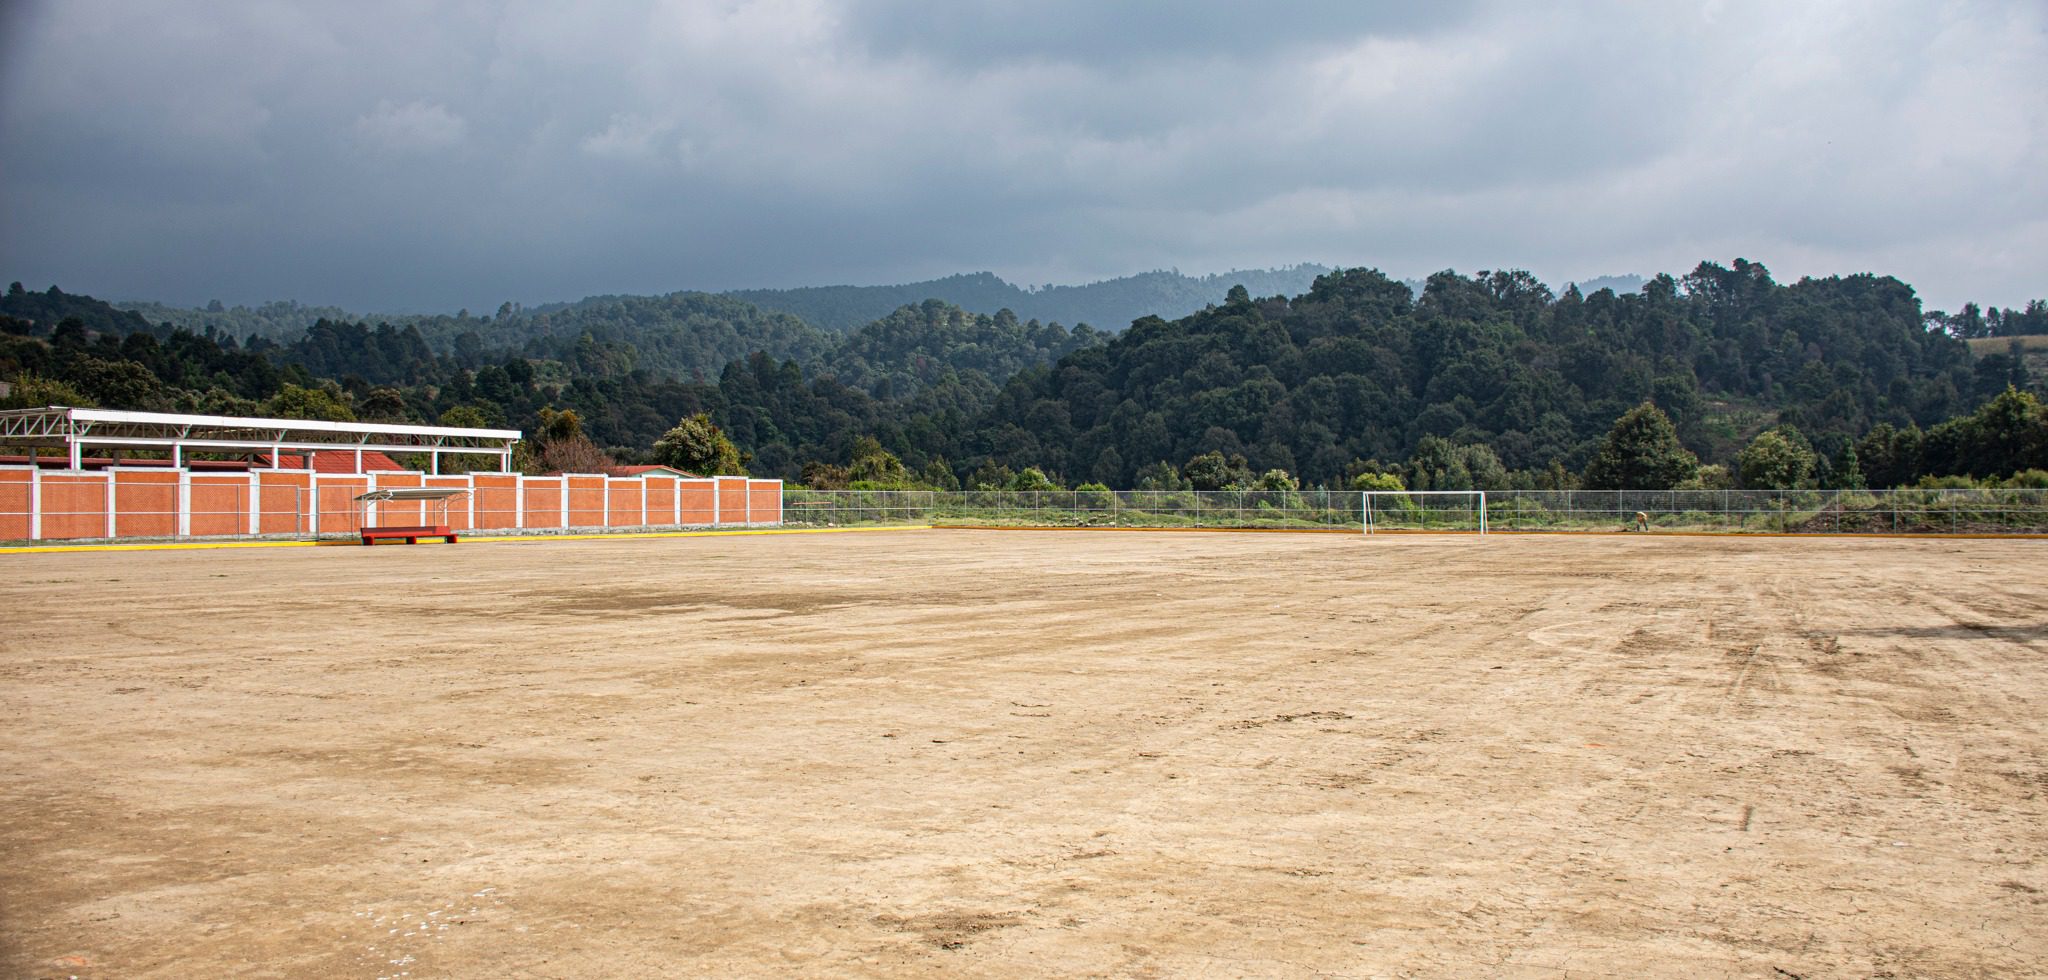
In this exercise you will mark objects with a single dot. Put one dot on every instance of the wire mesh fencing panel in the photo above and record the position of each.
(1959, 511)
(1993, 511)
(1332, 509)
(853, 508)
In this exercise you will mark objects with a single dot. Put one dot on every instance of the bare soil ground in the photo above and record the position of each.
(964, 753)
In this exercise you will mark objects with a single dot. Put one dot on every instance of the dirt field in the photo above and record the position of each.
(947, 753)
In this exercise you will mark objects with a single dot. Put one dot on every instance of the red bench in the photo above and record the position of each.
(411, 534)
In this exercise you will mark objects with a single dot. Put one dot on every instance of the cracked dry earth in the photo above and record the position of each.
(997, 754)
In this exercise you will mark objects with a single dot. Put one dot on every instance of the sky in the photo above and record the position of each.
(430, 156)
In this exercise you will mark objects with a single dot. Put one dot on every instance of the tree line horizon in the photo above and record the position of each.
(1721, 378)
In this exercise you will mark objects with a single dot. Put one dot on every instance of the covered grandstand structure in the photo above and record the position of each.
(73, 430)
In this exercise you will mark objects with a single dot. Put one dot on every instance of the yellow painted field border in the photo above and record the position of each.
(628, 535)
(487, 539)
(1837, 535)
(40, 549)
(1200, 530)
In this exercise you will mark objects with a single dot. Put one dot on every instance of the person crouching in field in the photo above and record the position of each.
(1642, 521)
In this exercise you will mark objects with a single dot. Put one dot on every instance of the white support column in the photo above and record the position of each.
(112, 527)
(519, 501)
(77, 455)
(177, 455)
(565, 499)
(313, 491)
(747, 487)
(255, 503)
(470, 478)
(675, 497)
(35, 500)
(184, 503)
(434, 468)
(607, 502)
(643, 501)
(715, 494)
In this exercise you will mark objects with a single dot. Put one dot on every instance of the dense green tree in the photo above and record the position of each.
(1215, 471)
(697, 445)
(938, 475)
(873, 467)
(1276, 480)
(323, 403)
(1032, 478)
(1161, 476)
(991, 475)
(1377, 481)
(561, 447)
(29, 390)
(1439, 464)
(825, 476)
(1777, 459)
(1641, 452)
(1846, 473)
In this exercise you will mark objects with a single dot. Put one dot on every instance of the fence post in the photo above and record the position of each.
(112, 529)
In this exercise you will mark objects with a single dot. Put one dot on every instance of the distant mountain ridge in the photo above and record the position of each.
(1109, 305)
(1622, 285)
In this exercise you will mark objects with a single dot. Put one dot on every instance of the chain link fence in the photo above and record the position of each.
(1731, 511)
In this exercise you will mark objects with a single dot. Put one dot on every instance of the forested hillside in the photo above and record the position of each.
(1477, 380)
(919, 346)
(1358, 369)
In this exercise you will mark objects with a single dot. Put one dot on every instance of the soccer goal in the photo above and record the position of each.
(1425, 510)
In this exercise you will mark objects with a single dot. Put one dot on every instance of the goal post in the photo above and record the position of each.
(1423, 510)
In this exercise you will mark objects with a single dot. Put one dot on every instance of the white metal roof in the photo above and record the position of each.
(92, 415)
(58, 425)
(76, 428)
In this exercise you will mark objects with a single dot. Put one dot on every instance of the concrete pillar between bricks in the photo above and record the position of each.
(184, 503)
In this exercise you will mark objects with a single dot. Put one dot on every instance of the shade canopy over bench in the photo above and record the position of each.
(410, 533)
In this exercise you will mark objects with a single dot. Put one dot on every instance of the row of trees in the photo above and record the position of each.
(1641, 451)
(1487, 380)
(1973, 322)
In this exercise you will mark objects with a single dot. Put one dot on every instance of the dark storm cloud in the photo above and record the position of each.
(398, 156)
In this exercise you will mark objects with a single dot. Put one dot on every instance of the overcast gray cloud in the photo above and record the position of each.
(389, 156)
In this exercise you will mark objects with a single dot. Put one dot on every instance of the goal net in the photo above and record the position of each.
(1425, 510)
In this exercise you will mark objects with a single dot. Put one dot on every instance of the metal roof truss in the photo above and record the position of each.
(74, 428)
